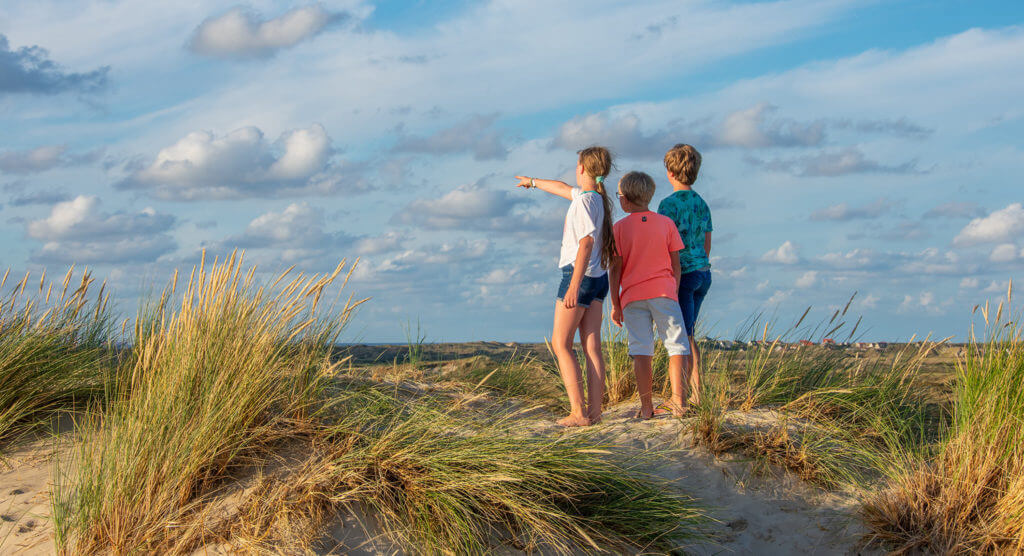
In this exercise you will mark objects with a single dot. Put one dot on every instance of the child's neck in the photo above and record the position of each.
(680, 186)
(631, 208)
(588, 185)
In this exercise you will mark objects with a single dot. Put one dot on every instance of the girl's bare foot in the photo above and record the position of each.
(574, 421)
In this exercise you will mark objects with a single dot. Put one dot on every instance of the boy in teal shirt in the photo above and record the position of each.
(692, 217)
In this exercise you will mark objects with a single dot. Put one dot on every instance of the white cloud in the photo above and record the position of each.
(809, 279)
(783, 254)
(76, 231)
(970, 283)
(476, 134)
(43, 158)
(1002, 225)
(474, 207)
(1004, 253)
(844, 212)
(778, 297)
(240, 32)
(243, 163)
(831, 163)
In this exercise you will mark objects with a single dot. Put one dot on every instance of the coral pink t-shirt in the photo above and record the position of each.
(646, 242)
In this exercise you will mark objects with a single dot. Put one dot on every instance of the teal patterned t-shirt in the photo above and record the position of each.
(693, 218)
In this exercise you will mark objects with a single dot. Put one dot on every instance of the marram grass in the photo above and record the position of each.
(437, 484)
(969, 497)
(54, 350)
(219, 371)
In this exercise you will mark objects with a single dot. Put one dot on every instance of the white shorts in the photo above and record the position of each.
(641, 317)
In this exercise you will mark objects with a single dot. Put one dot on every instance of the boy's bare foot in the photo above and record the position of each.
(595, 420)
(574, 421)
(640, 414)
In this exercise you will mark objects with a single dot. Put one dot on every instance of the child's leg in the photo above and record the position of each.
(675, 375)
(694, 372)
(669, 320)
(562, 334)
(644, 376)
(688, 284)
(590, 338)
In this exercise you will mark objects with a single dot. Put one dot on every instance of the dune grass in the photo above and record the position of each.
(969, 496)
(211, 381)
(438, 484)
(225, 373)
(55, 351)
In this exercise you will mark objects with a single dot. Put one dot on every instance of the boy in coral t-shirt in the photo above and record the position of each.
(647, 270)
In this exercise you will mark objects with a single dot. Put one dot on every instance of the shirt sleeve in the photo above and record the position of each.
(584, 219)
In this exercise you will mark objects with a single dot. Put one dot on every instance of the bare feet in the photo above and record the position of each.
(644, 415)
(574, 421)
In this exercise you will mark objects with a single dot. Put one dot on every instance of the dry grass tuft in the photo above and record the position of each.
(969, 497)
(211, 382)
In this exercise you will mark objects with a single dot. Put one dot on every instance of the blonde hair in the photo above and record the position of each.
(637, 188)
(597, 163)
(683, 162)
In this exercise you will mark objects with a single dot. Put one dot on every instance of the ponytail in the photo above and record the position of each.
(597, 162)
(608, 250)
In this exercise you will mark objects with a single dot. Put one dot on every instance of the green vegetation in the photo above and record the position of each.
(55, 352)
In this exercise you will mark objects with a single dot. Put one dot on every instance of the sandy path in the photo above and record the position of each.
(754, 514)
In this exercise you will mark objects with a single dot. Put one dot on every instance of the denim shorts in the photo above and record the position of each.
(591, 288)
(693, 286)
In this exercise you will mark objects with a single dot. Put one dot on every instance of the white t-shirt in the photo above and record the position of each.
(584, 218)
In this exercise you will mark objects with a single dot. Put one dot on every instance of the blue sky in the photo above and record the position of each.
(848, 146)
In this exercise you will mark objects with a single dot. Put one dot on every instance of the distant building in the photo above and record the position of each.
(806, 343)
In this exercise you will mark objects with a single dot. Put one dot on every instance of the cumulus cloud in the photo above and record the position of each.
(77, 231)
(955, 209)
(244, 164)
(756, 127)
(843, 211)
(623, 134)
(30, 70)
(242, 33)
(970, 283)
(752, 128)
(297, 234)
(476, 134)
(925, 301)
(849, 160)
(1003, 225)
(43, 158)
(783, 254)
(472, 207)
(807, 280)
(1004, 253)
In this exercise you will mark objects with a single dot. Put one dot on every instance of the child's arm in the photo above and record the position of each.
(579, 269)
(614, 273)
(553, 187)
(677, 270)
(707, 243)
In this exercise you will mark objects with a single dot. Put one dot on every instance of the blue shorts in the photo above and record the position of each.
(693, 286)
(591, 288)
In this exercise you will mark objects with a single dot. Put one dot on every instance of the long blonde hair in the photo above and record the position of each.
(597, 163)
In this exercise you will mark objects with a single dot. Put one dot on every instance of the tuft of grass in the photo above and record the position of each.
(215, 377)
(55, 351)
(969, 496)
(517, 376)
(439, 485)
